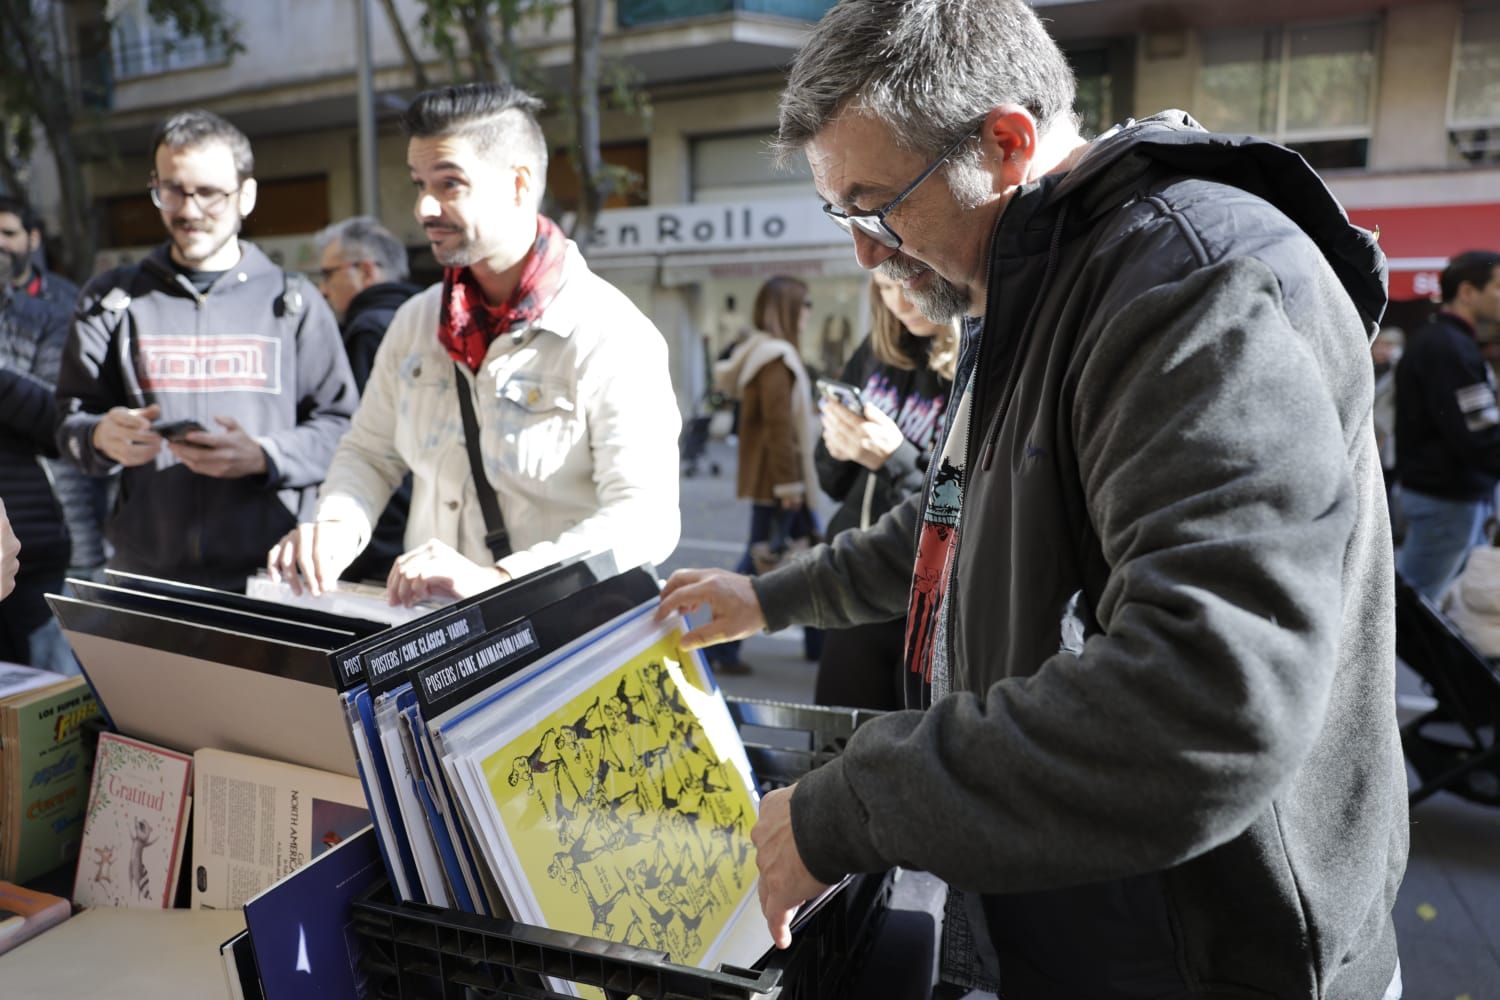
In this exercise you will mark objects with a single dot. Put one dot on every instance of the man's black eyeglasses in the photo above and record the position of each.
(874, 225)
(171, 197)
(327, 273)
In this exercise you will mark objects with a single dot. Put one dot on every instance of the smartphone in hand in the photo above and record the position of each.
(842, 392)
(177, 430)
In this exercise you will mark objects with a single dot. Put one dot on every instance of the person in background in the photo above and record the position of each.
(874, 460)
(32, 335)
(10, 554)
(777, 430)
(21, 240)
(84, 499)
(362, 273)
(575, 422)
(204, 331)
(1448, 427)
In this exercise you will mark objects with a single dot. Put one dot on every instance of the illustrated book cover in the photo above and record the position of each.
(45, 777)
(135, 826)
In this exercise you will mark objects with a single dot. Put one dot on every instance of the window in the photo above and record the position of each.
(1309, 85)
(144, 47)
(1474, 95)
(743, 168)
(628, 162)
(1097, 85)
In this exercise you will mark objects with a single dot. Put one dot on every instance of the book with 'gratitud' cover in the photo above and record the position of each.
(135, 826)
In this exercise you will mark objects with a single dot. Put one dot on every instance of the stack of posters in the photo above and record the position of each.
(566, 764)
(427, 855)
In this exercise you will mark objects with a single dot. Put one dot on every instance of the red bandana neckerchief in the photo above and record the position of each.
(467, 325)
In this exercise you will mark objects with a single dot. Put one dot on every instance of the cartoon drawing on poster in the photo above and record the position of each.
(626, 821)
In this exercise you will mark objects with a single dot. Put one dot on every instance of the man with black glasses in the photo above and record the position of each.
(216, 381)
(1150, 647)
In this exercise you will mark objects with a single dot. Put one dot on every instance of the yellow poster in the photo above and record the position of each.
(626, 821)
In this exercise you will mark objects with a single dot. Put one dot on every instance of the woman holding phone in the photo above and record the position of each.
(871, 460)
(777, 429)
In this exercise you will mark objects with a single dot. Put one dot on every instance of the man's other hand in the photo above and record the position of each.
(729, 598)
(313, 555)
(126, 436)
(10, 555)
(436, 570)
(232, 454)
(785, 883)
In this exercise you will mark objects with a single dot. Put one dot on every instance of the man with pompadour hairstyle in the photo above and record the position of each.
(211, 380)
(572, 405)
(1151, 744)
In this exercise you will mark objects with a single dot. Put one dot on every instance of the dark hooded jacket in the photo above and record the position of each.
(365, 321)
(1170, 762)
(261, 347)
(32, 334)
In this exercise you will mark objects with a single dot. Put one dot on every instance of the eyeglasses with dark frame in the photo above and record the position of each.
(170, 197)
(325, 274)
(873, 224)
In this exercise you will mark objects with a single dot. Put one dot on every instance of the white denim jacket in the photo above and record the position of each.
(578, 429)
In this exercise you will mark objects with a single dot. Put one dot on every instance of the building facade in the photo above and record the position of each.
(1397, 103)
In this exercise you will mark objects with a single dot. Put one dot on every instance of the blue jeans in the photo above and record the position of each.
(1439, 535)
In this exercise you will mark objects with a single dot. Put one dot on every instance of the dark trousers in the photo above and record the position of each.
(861, 667)
(25, 611)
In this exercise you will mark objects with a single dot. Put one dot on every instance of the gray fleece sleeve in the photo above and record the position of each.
(862, 577)
(1217, 479)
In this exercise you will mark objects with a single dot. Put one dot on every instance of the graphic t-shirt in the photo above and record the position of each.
(937, 545)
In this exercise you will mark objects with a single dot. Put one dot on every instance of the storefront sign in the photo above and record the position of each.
(666, 229)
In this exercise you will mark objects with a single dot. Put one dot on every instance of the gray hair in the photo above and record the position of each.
(929, 69)
(364, 238)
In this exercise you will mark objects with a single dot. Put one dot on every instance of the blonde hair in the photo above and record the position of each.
(893, 344)
(778, 308)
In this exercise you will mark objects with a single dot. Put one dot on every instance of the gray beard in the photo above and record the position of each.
(940, 300)
(462, 255)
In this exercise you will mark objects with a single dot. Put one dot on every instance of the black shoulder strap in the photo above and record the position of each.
(495, 535)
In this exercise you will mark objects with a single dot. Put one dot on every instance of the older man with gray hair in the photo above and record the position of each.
(362, 273)
(1150, 640)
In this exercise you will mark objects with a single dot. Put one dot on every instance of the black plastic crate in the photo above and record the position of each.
(410, 951)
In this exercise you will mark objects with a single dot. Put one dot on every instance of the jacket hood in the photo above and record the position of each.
(253, 263)
(1172, 142)
(749, 356)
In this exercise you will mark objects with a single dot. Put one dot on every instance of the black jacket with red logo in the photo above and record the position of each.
(261, 347)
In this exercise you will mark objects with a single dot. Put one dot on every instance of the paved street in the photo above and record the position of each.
(1448, 912)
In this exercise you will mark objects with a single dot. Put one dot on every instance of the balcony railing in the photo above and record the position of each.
(634, 13)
